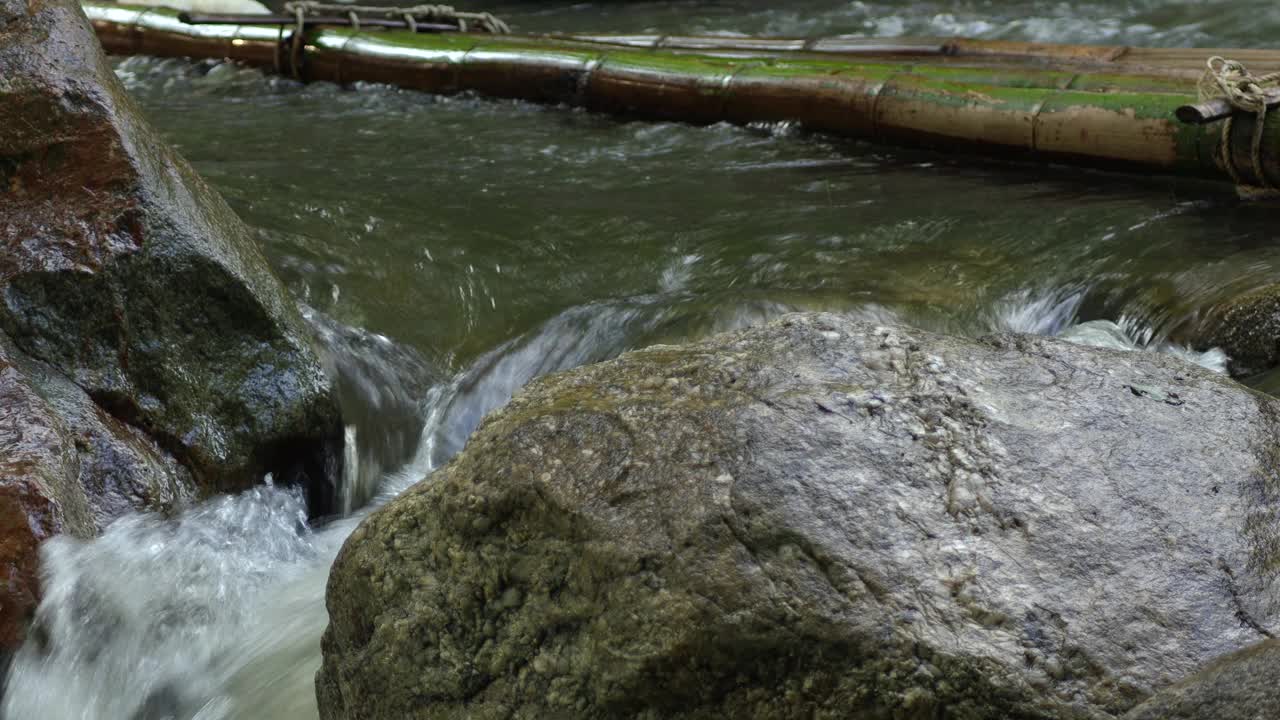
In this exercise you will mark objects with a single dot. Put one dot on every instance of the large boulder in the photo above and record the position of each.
(147, 354)
(124, 271)
(1240, 686)
(821, 518)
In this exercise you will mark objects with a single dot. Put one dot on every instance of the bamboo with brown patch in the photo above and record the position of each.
(1097, 106)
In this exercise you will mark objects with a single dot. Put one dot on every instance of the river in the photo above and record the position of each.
(448, 250)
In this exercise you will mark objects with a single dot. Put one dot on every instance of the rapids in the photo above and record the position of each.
(449, 250)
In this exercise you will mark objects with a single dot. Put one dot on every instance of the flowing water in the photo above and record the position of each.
(448, 250)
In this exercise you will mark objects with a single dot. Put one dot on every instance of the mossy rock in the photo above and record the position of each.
(821, 518)
(1247, 328)
(1240, 686)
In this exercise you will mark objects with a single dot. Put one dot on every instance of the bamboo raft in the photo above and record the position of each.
(1109, 107)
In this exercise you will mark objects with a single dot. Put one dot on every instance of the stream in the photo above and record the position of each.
(449, 250)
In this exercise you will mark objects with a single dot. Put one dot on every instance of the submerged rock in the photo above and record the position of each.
(821, 518)
(124, 271)
(1248, 330)
(1240, 686)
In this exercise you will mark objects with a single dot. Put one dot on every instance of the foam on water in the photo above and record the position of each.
(144, 621)
(217, 614)
(459, 226)
(1115, 336)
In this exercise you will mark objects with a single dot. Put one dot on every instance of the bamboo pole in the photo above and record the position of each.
(1106, 107)
(1188, 61)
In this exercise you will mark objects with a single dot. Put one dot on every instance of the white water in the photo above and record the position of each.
(1130, 336)
(217, 614)
(1055, 313)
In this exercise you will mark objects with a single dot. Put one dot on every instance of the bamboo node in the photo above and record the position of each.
(1230, 81)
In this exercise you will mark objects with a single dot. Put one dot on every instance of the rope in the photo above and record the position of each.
(412, 15)
(1231, 81)
(295, 42)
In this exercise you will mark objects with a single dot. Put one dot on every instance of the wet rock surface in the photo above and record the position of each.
(147, 354)
(65, 467)
(1240, 686)
(117, 468)
(39, 496)
(821, 518)
(125, 272)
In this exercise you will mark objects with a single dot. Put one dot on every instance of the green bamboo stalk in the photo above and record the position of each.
(1077, 104)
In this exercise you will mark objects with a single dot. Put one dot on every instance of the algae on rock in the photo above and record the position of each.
(820, 518)
(1248, 329)
(1239, 686)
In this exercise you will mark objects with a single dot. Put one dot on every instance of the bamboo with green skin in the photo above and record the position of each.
(1108, 107)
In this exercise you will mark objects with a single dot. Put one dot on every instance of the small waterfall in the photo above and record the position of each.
(380, 386)
(1130, 335)
(1039, 313)
(578, 336)
(217, 614)
(1056, 313)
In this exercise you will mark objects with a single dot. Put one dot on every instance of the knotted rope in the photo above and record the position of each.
(301, 10)
(412, 15)
(1231, 81)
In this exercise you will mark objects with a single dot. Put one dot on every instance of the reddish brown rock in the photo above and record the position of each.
(65, 467)
(124, 271)
(39, 495)
(147, 354)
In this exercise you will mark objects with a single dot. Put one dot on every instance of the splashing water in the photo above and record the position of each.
(555, 238)
(217, 614)
(143, 622)
(379, 385)
(1115, 336)
(1038, 314)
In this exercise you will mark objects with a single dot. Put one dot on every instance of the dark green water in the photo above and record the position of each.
(460, 246)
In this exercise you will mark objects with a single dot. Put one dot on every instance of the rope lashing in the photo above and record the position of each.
(295, 42)
(1229, 80)
(412, 15)
(303, 10)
